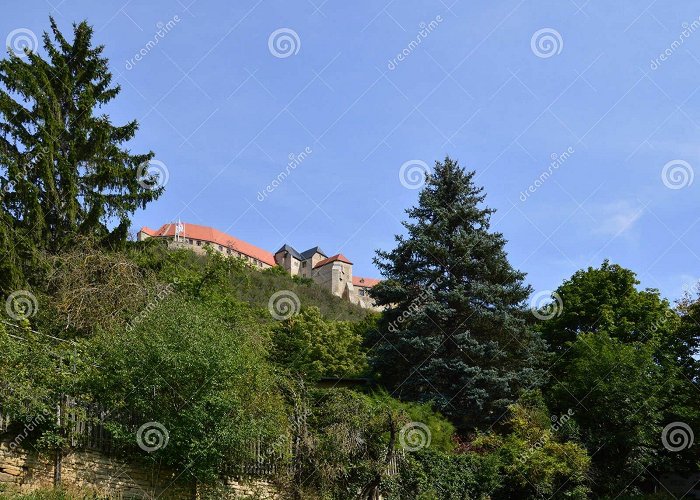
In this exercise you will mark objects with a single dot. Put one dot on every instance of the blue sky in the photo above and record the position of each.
(500, 86)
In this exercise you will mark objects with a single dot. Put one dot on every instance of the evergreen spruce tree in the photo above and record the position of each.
(456, 329)
(64, 169)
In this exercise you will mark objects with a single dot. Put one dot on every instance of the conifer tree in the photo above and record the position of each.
(64, 167)
(455, 332)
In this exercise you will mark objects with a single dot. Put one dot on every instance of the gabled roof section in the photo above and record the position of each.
(337, 257)
(209, 234)
(365, 282)
(148, 231)
(307, 254)
(291, 250)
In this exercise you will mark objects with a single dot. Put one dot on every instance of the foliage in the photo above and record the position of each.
(455, 332)
(433, 475)
(626, 361)
(532, 459)
(34, 372)
(606, 300)
(64, 169)
(442, 431)
(687, 336)
(535, 456)
(200, 372)
(93, 288)
(684, 349)
(617, 392)
(344, 441)
(315, 347)
(215, 274)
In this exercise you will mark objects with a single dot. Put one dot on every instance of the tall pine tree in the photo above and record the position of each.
(456, 328)
(64, 168)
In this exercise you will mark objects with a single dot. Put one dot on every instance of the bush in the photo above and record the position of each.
(199, 372)
(429, 474)
(315, 347)
(534, 455)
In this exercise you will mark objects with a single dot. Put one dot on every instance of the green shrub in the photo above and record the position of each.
(534, 455)
(429, 474)
(315, 347)
(198, 371)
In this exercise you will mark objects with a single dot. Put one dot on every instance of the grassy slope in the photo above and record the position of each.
(253, 286)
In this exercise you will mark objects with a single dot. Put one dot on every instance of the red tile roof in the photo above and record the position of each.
(364, 282)
(339, 256)
(212, 235)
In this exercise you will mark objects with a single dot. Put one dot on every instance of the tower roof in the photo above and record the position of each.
(307, 254)
(291, 250)
(337, 257)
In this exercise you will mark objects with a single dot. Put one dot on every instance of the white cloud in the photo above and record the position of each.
(617, 218)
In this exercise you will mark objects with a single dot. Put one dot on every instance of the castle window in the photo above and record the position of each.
(199, 243)
(303, 264)
(228, 251)
(362, 291)
(221, 249)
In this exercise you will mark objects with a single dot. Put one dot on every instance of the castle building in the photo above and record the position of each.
(333, 273)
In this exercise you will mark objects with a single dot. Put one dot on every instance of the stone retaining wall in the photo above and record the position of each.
(92, 470)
